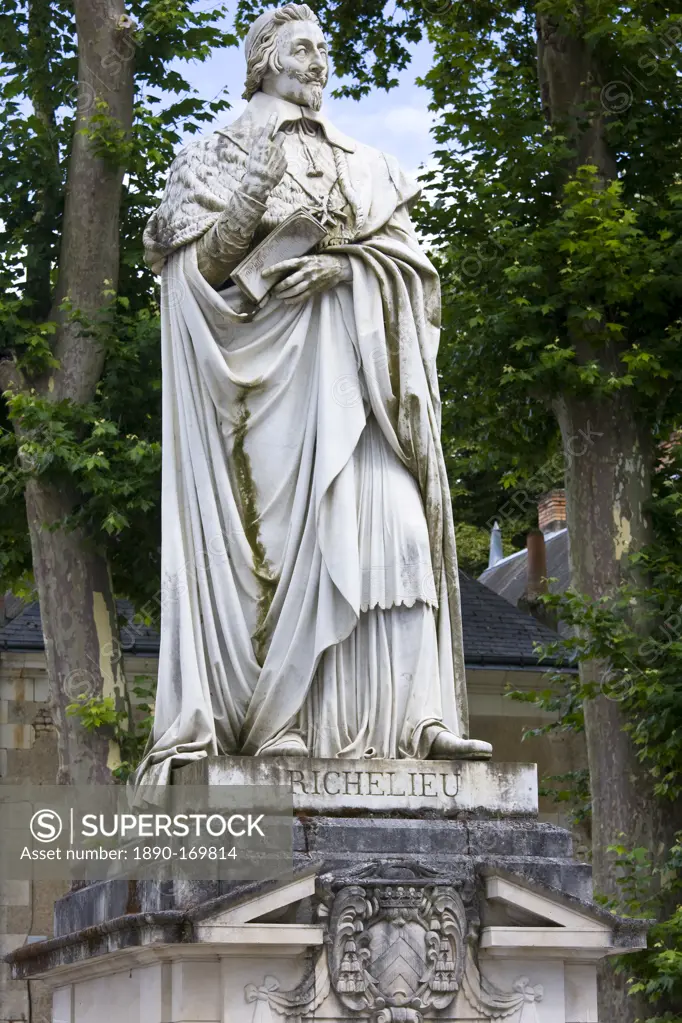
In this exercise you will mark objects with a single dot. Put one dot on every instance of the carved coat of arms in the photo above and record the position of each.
(397, 949)
(400, 945)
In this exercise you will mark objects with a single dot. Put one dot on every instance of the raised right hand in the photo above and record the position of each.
(266, 163)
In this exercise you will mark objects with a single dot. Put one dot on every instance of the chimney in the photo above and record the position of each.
(552, 511)
(496, 553)
(536, 579)
(536, 583)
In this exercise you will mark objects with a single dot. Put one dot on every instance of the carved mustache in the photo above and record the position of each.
(310, 77)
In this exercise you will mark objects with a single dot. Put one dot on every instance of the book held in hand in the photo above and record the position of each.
(294, 237)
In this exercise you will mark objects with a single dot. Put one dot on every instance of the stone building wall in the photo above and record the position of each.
(28, 755)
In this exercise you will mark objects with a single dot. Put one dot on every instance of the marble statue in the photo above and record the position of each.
(310, 603)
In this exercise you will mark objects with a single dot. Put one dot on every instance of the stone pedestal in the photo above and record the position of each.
(449, 901)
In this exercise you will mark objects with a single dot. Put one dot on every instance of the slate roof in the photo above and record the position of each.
(495, 633)
(508, 577)
(498, 634)
(24, 632)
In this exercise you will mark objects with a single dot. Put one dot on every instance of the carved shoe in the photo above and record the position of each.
(447, 746)
(288, 745)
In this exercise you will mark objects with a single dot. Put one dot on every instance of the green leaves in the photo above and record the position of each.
(125, 721)
(116, 474)
(95, 713)
(108, 139)
(110, 450)
(554, 299)
(658, 970)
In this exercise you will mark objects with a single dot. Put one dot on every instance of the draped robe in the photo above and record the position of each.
(309, 577)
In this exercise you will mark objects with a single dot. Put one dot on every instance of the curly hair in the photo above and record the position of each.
(261, 51)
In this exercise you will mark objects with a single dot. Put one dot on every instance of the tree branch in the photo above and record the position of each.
(89, 254)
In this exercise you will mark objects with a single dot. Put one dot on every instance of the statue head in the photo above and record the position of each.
(286, 56)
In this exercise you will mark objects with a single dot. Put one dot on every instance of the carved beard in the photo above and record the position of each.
(307, 88)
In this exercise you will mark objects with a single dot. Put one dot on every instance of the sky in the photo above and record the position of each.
(396, 122)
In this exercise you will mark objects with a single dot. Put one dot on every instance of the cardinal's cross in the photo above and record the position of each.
(328, 214)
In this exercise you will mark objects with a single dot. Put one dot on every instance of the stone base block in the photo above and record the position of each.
(537, 851)
(459, 911)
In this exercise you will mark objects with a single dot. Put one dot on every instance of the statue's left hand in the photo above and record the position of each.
(309, 275)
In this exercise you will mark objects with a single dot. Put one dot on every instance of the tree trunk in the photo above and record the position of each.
(81, 636)
(608, 474)
(570, 87)
(609, 462)
(74, 587)
(608, 482)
